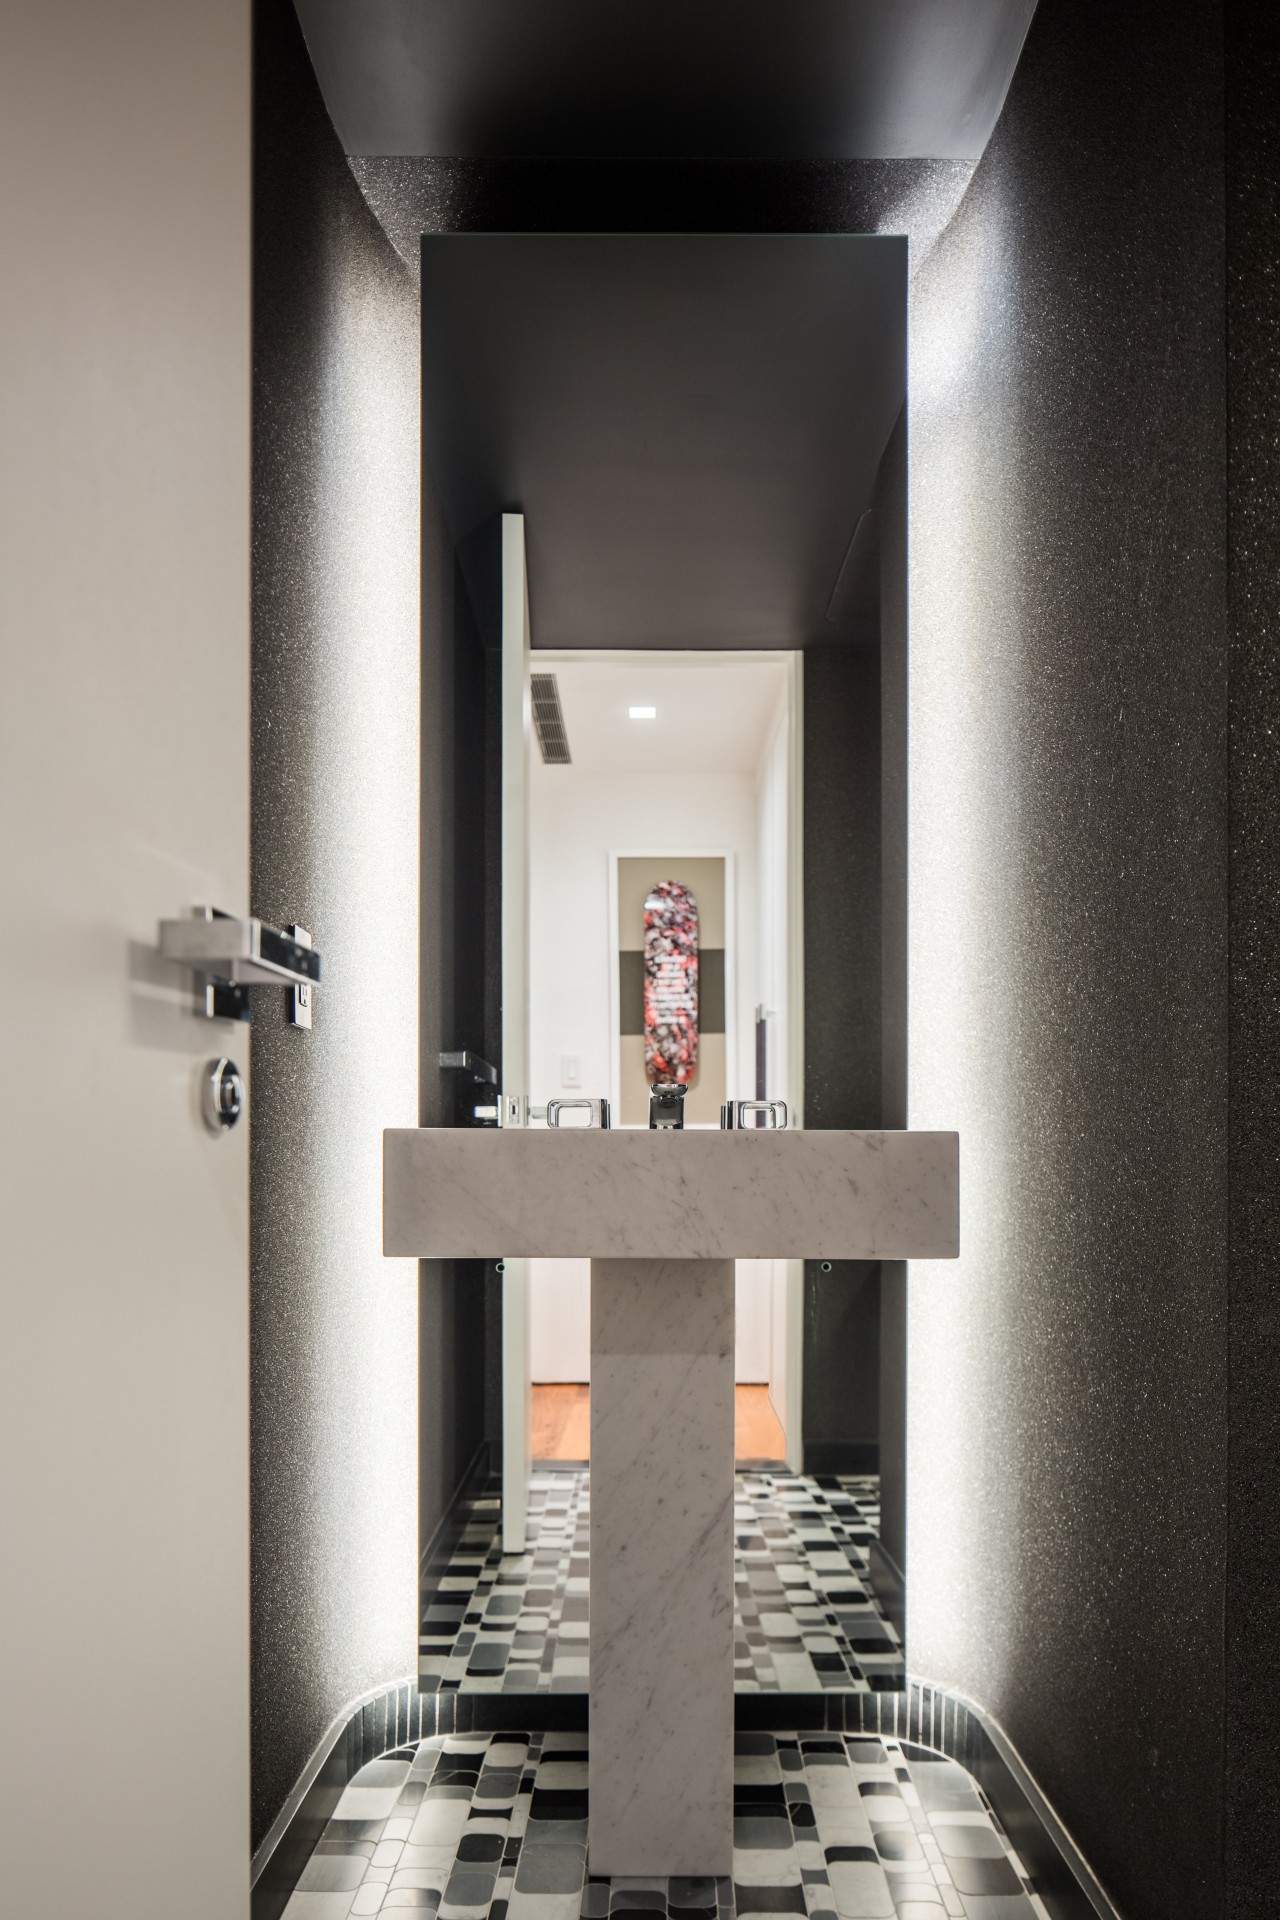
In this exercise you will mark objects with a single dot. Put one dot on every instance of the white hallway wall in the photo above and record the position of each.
(124, 616)
(577, 817)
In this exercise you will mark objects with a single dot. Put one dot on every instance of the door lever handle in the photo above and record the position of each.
(467, 1062)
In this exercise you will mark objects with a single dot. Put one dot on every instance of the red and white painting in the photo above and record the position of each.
(670, 984)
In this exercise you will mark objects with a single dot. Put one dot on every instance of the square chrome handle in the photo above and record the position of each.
(764, 1114)
(596, 1111)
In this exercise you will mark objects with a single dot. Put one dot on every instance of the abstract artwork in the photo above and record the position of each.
(670, 984)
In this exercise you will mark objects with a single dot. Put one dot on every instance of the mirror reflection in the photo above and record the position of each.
(672, 475)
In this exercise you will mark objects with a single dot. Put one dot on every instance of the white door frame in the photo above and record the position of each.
(517, 1386)
(517, 1371)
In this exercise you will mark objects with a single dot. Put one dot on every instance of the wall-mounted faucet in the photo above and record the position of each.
(666, 1105)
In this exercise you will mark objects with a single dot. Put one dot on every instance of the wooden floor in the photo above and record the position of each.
(561, 1424)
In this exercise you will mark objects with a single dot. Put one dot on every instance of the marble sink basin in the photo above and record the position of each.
(466, 1193)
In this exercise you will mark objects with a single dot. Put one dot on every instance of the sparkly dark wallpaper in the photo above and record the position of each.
(1067, 1451)
(1253, 500)
(334, 846)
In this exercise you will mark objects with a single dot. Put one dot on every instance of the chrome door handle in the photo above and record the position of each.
(597, 1112)
(773, 1115)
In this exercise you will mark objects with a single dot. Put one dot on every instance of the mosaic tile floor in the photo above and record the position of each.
(805, 1616)
(828, 1826)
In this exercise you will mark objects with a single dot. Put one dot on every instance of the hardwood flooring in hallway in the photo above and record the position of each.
(562, 1423)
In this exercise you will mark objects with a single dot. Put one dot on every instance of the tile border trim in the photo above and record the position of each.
(925, 1714)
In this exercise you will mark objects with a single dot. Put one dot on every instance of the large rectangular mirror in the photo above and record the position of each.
(665, 638)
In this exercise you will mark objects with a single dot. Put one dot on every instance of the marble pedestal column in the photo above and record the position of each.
(662, 1448)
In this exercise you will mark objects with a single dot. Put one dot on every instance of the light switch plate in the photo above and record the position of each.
(570, 1069)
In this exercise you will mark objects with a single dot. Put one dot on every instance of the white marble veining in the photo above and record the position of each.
(661, 1767)
(463, 1193)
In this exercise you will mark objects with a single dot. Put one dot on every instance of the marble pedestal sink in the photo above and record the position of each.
(663, 1216)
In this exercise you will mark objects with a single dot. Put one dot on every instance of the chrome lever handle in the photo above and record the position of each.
(733, 1115)
(597, 1112)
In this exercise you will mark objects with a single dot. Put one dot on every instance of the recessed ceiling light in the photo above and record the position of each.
(642, 713)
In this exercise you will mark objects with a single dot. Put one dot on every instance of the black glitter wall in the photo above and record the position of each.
(1068, 939)
(1253, 498)
(335, 847)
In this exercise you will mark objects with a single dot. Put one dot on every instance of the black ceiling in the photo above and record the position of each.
(692, 424)
(834, 79)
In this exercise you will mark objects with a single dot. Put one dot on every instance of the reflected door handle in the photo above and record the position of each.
(467, 1062)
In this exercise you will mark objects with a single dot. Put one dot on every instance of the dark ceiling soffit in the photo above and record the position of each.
(693, 426)
(763, 79)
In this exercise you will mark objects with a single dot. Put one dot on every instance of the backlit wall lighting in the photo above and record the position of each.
(642, 713)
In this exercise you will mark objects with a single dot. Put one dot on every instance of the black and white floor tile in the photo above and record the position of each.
(826, 1826)
(806, 1618)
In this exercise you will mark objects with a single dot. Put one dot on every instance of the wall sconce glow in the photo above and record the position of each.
(642, 713)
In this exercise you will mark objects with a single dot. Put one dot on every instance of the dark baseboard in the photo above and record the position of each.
(440, 1548)
(920, 1714)
(841, 1456)
(888, 1583)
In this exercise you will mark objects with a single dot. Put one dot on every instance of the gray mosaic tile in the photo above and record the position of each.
(863, 1840)
(806, 1619)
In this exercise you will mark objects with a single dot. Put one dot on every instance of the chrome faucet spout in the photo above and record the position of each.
(666, 1105)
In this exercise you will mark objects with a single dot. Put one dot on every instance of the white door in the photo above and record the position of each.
(517, 1398)
(124, 787)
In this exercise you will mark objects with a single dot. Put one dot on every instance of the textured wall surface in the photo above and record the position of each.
(1068, 893)
(334, 847)
(1253, 1540)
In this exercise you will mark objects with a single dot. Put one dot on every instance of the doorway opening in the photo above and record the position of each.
(678, 768)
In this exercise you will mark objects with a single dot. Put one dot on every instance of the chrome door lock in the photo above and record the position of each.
(298, 1005)
(229, 955)
(221, 1095)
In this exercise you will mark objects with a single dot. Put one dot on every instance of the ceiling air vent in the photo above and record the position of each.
(548, 720)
